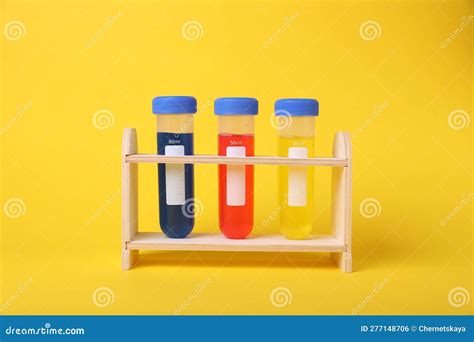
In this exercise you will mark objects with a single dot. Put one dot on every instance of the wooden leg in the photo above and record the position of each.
(129, 258)
(343, 260)
(129, 197)
(342, 201)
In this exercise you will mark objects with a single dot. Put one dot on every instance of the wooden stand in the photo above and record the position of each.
(338, 244)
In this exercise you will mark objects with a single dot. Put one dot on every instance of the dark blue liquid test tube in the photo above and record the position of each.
(175, 137)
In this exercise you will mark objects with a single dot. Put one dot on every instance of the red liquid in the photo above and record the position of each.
(236, 221)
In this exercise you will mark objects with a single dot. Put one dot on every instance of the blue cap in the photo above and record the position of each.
(174, 105)
(236, 106)
(297, 107)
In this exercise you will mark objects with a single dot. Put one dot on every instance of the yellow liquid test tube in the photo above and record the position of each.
(295, 121)
(296, 189)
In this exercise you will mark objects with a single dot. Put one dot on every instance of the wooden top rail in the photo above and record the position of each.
(258, 160)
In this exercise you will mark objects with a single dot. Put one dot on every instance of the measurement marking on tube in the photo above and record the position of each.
(175, 188)
(297, 178)
(235, 178)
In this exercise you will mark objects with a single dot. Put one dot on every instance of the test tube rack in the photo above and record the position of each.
(338, 244)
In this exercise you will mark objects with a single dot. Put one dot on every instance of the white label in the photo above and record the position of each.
(175, 194)
(235, 178)
(297, 178)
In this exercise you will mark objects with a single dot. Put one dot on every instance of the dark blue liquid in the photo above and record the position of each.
(176, 221)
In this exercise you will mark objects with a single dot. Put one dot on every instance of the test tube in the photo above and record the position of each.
(296, 118)
(175, 137)
(236, 121)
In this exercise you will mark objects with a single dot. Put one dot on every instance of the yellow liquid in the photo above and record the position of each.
(296, 213)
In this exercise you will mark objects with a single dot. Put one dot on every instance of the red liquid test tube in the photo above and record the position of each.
(236, 118)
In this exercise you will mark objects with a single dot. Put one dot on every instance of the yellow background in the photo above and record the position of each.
(77, 58)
